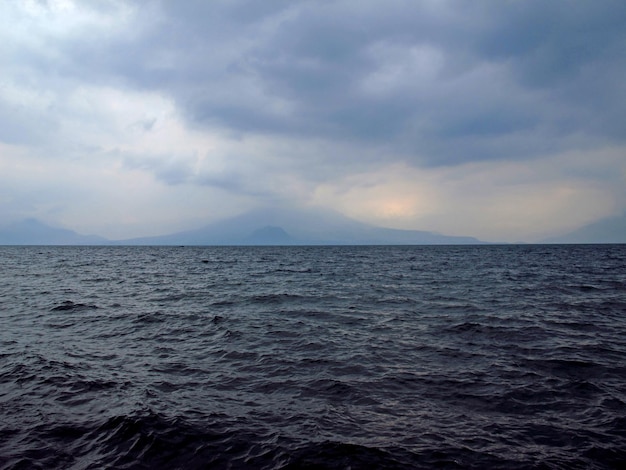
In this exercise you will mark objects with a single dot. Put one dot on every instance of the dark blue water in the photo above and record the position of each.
(313, 357)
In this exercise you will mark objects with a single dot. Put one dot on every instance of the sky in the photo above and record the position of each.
(499, 119)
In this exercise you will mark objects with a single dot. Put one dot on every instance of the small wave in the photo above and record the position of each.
(341, 455)
(151, 440)
(567, 368)
(147, 318)
(274, 298)
(69, 306)
(293, 270)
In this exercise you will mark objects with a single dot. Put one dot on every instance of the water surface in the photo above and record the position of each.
(313, 357)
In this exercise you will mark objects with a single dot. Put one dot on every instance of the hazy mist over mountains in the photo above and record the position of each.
(258, 227)
(34, 232)
(272, 226)
(297, 227)
(609, 230)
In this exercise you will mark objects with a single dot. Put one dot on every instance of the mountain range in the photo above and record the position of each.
(282, 226)
(34, 232)
(271, 226)
(258, 227)
(608, 230)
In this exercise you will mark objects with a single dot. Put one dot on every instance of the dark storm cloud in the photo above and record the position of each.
(441, 82)
(533, 74)
(553, 41)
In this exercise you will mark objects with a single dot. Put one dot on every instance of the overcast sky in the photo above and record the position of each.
(504, 120)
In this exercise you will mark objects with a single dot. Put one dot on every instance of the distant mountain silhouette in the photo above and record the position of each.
(609, 230)
(280, 226)
(34, 232)
(270, 235)
(269, 226)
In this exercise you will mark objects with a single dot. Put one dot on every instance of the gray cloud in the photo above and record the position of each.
(530, 73)
(506, 70)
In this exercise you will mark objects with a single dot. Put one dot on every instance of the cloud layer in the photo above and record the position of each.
(502, 120)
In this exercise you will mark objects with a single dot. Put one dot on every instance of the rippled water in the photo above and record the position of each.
(313, 357)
